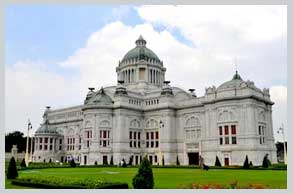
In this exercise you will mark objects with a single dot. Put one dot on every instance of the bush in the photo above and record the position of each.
(12, 171)
(111, 161)
(266, 162)
(218, 163)
(124, 163)
(22, 164)
(144, 178)
(52, 182)
(72, 163)
(246, 163)
(177, 161)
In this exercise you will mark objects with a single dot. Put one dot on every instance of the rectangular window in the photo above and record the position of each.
(104, 134)
(147, 144)
(130, 144)
(134, 144)
(157, 144)
(73, 140)
(100, 134)
(221, 141)
(220, 130)
(138, 135)
(147, 136)
(51, 147)
(104, 143)
(259, 130)
(234, 140)
(41, 140)
(233, 129)
(138, 144)
(152, 135)
(134, 135)
(51, 140)
(60, 141)
(152, 144)
(130, 135)
(40, 147)
(226, 130)
(45, 147)
(226, 140)
(156, 158)
(157, 135)
(60, 147)
(88, 143)
(46, 139)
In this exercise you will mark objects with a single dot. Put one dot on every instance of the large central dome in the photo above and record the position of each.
(141, 52)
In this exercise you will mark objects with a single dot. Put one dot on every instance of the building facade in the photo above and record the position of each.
(144, 115)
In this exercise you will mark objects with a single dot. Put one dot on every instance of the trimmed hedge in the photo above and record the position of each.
(52, 182)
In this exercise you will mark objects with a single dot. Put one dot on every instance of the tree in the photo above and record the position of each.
(266, 162)
(246, 163)
(22, 164)
(144, 179)
(218, 163)
(72, 163)
(177, 161)
(111, 161)
(15, 138)
(12, 171)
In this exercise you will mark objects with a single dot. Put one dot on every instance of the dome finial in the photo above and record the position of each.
(140, 41)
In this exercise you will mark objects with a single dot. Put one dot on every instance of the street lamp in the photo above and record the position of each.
(29, 126)
(281, 130)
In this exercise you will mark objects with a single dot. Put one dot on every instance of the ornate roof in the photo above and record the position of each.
(140, 51)
(100, 98)
(234, 83)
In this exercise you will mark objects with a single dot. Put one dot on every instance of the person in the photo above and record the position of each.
(205, 167)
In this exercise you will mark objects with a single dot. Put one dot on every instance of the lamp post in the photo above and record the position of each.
(281, 130)
(29, 126)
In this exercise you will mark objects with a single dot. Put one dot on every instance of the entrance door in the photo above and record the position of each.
(105, 160)
(136, 160)
(84, 160)
(193, 158)
(226, 161)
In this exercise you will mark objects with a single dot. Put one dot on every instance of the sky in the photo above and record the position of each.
(54, 53)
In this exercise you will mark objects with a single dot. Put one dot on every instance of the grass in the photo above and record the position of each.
(169, 178)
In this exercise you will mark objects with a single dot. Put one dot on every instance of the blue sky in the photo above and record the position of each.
(54, 47)
(55, 32)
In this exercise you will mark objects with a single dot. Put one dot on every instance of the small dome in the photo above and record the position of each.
(100, 98)
(234, 83)
(140, 52)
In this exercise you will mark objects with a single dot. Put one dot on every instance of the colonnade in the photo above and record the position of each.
(131, 75)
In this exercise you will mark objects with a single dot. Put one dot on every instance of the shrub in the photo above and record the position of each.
(130, 160)
(144, 178)
(111, 161)
(124, 163)
(218, 163)
(12, 171)
(177, 161)
(52, 182)
(266, 162)
(246, 164)
(22, 164)
(72, 163)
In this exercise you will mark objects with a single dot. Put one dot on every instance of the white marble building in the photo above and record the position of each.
(144, 115)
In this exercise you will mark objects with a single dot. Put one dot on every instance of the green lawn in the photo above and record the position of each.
(170, 178)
